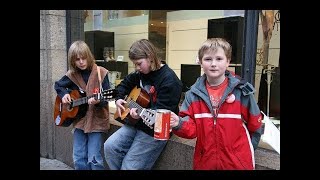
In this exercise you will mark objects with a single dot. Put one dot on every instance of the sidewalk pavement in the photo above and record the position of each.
(53, 164)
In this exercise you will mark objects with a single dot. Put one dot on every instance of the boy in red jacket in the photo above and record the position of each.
(221, 112)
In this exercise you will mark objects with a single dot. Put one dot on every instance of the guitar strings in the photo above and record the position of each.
(84, 100)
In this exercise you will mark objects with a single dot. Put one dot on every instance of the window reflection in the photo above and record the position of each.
(157, 30)
(117, 14)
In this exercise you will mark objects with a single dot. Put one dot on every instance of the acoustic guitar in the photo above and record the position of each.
(65, 114)
(138, 98)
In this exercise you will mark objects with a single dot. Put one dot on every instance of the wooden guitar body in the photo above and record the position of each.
(66, 112)
(137, 95)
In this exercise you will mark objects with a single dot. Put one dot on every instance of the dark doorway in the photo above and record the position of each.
(231, 29)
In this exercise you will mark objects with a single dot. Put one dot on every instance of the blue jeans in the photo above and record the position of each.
(132, 149)
(87, 153)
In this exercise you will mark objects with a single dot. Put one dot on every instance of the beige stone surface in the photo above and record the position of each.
(53, 164)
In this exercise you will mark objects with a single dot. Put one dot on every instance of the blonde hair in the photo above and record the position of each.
(80, 48)
(143, 48)
(212, 44)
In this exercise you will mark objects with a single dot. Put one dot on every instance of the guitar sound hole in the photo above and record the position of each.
(70, 108)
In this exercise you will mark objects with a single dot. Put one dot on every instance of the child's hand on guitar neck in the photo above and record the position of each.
(93, 101)
(134, 113)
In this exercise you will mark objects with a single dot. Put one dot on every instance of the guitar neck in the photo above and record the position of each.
(84, 100)
(133, 104)
(147, 115)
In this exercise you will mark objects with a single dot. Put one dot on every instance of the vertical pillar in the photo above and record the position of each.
(250, 45)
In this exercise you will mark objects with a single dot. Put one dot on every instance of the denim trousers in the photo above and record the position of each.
(87, 154)
(132, 149)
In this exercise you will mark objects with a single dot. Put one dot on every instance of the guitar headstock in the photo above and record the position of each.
(148, 116)
(109, 94)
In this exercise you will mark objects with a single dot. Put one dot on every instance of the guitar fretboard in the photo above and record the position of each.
(133, 104)
(83, 100)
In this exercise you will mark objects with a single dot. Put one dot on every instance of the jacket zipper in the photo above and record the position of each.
(216, 110)
(215, 115)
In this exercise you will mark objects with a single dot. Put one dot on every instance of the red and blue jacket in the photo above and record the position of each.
(226, 139)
